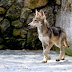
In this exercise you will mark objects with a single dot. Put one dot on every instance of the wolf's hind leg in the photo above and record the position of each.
(62, 54)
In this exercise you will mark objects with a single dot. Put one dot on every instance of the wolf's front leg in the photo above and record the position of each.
(45, 54)
(46, 49)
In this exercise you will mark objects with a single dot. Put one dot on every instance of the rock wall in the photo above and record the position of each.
(16, 14)
(14, 18)
(64, 18)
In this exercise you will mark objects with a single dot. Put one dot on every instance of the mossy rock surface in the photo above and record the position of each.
(20, 3)
(1, 46)
(1, 18)
(6, 3)
(20, 32)
(7, 33)
(22, 42)
(1, 40)
(17, 24)
(24, 14)
(13, 12)
(16, 32)
(5, 24)
(2, 11)
(33, 41)
(30, 18)
(12, 43)
(32, 4)
(23, 33)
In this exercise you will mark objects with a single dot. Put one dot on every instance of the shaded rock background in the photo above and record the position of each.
(15, 16)
(64, 20)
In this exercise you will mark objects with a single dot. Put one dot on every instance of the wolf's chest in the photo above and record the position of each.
(44, 39)
(40, 37)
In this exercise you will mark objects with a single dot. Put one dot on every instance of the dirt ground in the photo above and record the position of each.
(30, 61)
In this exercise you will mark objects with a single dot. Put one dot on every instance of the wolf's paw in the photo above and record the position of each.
(62, 59)
(58, 59)
(44, 61)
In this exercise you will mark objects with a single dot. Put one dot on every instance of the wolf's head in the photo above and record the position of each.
(39, 19)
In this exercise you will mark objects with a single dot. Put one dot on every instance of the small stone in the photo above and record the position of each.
(1, 18)
(16, 32)
(5, 24)
(23, 33)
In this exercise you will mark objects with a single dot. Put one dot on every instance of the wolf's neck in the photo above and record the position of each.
(42, 30)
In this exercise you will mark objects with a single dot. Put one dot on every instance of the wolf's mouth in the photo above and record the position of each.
(30, 26)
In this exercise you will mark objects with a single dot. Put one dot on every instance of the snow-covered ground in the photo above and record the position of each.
(30, 61)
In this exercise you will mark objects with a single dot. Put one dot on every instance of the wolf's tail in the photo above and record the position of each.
(65, 42)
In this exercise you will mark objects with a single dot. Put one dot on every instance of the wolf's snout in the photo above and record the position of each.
(29, 24)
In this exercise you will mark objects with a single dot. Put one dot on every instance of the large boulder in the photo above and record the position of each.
(32, 4)
(13, 12)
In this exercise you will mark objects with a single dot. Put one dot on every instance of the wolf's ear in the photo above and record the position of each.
(37, 13)
(42, 12)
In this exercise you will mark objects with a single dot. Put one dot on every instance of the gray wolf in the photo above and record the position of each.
(49, 36)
